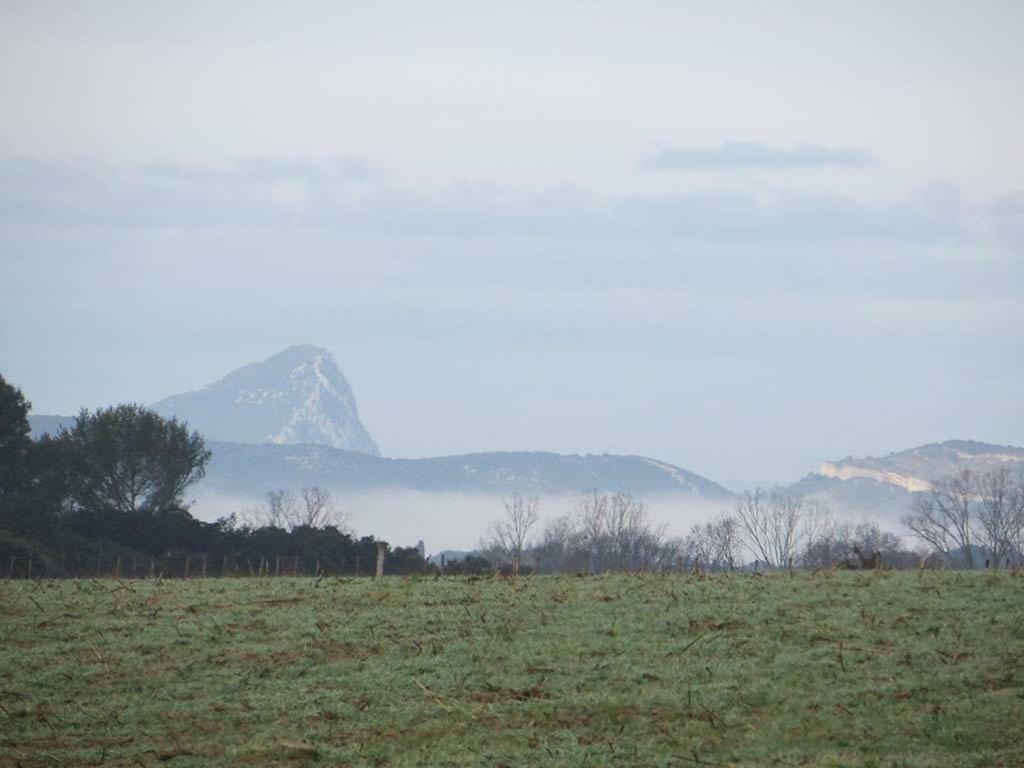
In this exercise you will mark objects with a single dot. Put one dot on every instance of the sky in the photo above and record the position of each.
(740, 237)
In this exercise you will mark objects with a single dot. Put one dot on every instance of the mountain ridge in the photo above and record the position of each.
(253, 468)
(238, 467)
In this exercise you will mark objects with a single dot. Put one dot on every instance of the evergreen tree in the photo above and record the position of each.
(15, 441)
(131, 461)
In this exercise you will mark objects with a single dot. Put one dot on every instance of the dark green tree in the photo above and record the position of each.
(131, 461)
(15, 441)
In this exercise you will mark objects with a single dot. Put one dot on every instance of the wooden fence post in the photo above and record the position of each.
(117, 568)
(224, 567)
(381, 549)
(188, 562)
(152, 567)
(357, 565)
(204, 565)
(277, 565)
(10, 570)
(30, 565)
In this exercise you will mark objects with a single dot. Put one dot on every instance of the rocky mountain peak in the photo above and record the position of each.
(298, 395)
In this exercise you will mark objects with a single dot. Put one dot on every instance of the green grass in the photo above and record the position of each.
(828, 669)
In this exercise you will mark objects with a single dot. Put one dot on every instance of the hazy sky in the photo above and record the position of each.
(741, 237)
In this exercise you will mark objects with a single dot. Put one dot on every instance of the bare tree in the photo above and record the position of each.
(508, 534)
(941, 518)
(869, 537)
(318, 510)
(615, 533)
(1019, 505)
(558, 548)
(999, 514)
(312, 507)
(282, 509)
(776, 527)
(591, 517)
(829, 550)
(714, 544)
(605, 532)
(631, 542)
(865, 545)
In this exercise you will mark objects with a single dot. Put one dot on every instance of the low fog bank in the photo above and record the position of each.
(453, 520)
(886, 516)
(458, 520)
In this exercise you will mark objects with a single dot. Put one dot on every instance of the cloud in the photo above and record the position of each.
(268, 170)
(746, 155)
(353, 201)
(1007, 216)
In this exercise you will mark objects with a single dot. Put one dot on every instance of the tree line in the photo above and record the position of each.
(110, 491)
(965, 521)
(971, 517)
(614, 532)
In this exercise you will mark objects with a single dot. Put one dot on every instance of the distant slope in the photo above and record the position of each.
(45, 424)
(915, 469)
(857, 497)
(254, 469)
(298, 396)
(884, 487)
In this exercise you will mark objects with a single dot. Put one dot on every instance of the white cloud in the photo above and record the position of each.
(745, 155)
(350, 198)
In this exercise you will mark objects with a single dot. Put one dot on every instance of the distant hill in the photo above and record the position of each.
(249, 469)
(857, 497)
(252, 469)
(298, 396)
(884, 486)
(915, 469)
(44, 424)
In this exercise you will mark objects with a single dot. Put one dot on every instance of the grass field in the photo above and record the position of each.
(828, 669)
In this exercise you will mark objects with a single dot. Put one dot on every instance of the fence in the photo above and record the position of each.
(180, 566)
